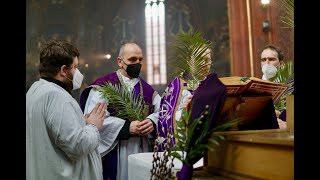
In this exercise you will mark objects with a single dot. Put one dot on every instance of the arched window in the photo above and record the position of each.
(155, 42)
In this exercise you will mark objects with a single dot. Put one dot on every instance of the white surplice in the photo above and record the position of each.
(59, 144)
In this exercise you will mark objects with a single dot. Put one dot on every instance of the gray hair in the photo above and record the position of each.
(123, 47)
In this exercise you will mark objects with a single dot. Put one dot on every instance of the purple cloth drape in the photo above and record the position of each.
(283, 115)
(185, 173)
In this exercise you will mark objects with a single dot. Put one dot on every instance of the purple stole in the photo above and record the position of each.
(110, 160)
(170, 102)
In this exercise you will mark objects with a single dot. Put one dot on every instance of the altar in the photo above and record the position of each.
(247, 155)
(140, 165)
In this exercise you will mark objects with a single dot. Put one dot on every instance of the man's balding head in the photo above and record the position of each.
(129, 53)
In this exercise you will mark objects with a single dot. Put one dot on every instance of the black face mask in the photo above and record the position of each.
(133, 70)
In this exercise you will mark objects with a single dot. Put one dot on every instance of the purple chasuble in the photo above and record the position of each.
(110, 160)
(212, 92)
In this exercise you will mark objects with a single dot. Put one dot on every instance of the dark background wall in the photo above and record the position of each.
(98, 27)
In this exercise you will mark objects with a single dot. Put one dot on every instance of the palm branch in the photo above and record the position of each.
(285, 74)
(288, 18)
(195, 138)
(190, 57)
(126, 104)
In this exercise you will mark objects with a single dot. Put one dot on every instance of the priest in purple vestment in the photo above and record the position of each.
(122, 137)
(177, 95)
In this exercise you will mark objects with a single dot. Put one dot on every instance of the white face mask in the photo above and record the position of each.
(77, 79)
(269, 71)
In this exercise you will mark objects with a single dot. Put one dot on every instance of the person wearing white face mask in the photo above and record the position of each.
(61, 143)
(271, 58)
(77, 79)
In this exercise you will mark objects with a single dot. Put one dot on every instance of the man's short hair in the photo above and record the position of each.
(275, 48)
(123, 47)
(54, 54)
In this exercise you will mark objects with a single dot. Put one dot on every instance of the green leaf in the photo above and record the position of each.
(213, 141)
(285, 74)
(288, 8)
(176, 155)
(190, 51)
(127, 105)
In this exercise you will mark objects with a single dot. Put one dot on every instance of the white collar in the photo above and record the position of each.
(129, 82)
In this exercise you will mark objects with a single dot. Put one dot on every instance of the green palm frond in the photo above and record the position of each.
(195, 138)
(285, 74)
(190, 56)
(288, 18)
(125, 103)
(281, 104)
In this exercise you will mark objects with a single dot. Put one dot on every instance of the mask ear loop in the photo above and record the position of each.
(65, 68)
(123, 63)
(67, 73)
(69, 79)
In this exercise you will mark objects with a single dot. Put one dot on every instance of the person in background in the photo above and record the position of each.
(271, 58)
(186, 95)
(122, 137)
(61, 143)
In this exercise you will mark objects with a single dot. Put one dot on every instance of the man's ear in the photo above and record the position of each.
(63, 70)
(119, 62)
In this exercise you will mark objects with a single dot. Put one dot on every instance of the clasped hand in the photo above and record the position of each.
(141, 128)
(97, 115)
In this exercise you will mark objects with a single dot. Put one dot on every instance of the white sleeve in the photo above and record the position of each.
(156, 104)
(155, 115)
(67, 128)
(185, 94)
(111, 125)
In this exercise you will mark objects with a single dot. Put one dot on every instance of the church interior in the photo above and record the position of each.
(238, 30)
